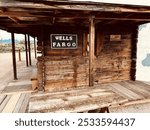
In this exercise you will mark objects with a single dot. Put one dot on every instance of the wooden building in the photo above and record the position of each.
(81, 43)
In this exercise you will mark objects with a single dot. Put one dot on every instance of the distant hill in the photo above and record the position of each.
(7, 41)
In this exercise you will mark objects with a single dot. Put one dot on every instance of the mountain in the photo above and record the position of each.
(7, 41)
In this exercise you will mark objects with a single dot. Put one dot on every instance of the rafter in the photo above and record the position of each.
(14, 19)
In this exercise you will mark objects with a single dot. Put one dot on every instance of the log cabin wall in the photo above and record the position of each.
(115, 58)
(64, 68)
(66, 71)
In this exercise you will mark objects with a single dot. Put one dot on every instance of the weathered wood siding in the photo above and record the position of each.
(64, 68)
(114, 60)
(64, 72)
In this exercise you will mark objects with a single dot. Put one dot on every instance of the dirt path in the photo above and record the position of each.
(6, 70)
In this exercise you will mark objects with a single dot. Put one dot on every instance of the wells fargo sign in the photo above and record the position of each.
(64, 41)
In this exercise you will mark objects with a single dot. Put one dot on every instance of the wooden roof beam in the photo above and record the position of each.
(111, 22)
(77, 6)
(17, 14)
(3, 28)
(124, 19)
(18, 25)
(75, 15)
(14, 19)
(129, 15)
(23, 31)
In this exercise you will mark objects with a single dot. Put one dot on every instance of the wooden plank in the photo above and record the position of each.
(73, 91)
(71, 94)
(123, 19)
(93, 105)
(101, 94)
(136, 102)
(4, 102)
(146, 82)
(91, 51)
(11, 103)
(76, 105)
(141, 85)
(137, 89)
(45, 104)
(132, 88)
(139, 106)
(124, 91)
(25, 103)
(2, 98)
(19, 103)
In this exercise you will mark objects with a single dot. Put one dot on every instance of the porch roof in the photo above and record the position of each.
(28, 16)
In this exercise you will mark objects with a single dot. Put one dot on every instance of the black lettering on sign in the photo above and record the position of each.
(64, 41)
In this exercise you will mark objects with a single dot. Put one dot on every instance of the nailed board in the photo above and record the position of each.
(75, 100)
(14, 103)
(140, 106)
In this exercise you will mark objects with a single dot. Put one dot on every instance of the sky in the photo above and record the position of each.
(5, 35)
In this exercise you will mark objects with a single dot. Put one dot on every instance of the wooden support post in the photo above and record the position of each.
(134, 53)
(41, 66)
(29, 49)
(19, 54)
(35, 48)
(91, 51)
(14, 56)
(26, 49)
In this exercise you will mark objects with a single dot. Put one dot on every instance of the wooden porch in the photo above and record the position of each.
(125, 96)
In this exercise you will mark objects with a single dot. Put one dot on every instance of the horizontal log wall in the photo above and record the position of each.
(64, 72)
(114, 61)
